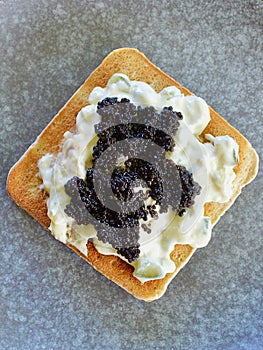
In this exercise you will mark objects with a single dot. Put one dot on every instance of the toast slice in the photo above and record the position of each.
(23, 183)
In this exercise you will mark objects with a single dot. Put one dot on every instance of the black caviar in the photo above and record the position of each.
(116, 208)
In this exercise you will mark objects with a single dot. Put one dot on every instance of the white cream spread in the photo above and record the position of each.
(211, 163)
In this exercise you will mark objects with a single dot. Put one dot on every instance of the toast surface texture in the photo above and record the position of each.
(23, 183)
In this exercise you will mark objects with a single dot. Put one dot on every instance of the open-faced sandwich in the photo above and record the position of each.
(132, 173)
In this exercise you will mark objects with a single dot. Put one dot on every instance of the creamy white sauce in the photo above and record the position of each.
(212, 164)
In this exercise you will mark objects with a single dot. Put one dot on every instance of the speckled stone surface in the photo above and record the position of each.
(50, 298)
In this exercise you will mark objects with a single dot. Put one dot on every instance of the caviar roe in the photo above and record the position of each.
(116, 222)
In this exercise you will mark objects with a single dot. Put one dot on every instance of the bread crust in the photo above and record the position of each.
(23, 182)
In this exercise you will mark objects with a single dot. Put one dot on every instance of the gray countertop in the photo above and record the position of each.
(50, 298)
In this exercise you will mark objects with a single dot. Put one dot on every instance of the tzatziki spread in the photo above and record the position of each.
(211, 163)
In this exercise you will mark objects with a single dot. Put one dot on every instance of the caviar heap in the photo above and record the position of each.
(130, 176)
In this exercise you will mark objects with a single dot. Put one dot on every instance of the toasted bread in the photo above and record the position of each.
(23, 183)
